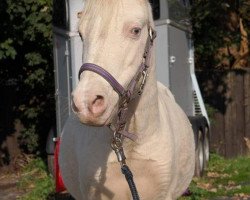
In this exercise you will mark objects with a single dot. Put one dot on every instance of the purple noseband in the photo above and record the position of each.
(106, 75)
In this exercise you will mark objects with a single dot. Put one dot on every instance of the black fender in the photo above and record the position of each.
(199, 123)
(201, 136)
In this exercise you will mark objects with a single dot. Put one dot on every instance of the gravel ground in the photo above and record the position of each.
(8, 187)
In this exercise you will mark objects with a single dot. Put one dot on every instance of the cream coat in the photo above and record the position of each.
(162, 160)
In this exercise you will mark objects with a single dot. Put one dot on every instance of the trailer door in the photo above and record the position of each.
(179, 68)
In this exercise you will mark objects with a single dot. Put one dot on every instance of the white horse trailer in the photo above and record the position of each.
(174, 61)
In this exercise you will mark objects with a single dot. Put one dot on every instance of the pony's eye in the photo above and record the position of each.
(136, 31)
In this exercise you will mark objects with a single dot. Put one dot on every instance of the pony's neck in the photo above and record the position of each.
(145, 120)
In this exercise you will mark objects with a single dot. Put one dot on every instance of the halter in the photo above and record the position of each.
(126, 95)
(142, 71)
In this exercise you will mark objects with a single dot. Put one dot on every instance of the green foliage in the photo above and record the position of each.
(30, 138)
(26, 59)
(37, 181)
(244, 12)
(212, 29)
(210, 111)
(7, 50)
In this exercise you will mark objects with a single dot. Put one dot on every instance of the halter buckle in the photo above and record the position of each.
(152, 34)
(116, 145)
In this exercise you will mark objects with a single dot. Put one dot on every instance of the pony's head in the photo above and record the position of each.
(114, 34)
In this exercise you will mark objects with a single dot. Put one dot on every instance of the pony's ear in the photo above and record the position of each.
(79, 14)
(155, 4)
(150, 15)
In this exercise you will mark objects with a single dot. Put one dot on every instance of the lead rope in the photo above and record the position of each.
(117, 147)
(119, 131)
(129, 177)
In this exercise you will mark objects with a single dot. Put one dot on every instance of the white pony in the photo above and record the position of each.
(162, 160)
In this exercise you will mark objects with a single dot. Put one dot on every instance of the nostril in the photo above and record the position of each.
(98, 101)
(97, 106)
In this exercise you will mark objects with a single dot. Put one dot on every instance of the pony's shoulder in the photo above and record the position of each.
(164, 91)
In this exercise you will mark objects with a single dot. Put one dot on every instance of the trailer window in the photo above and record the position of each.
(60, 18)
(179, 11)
(156, 8)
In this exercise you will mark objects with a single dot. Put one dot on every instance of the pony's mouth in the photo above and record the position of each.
(112, 115)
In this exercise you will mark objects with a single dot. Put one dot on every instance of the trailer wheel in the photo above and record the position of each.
(206, 147)
(50, 162)
(199, 155)
(50, 146)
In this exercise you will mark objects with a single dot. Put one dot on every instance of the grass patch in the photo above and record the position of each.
(223, 178)
(36, 180)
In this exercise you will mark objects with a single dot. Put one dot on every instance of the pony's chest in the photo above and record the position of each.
(110, 183)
